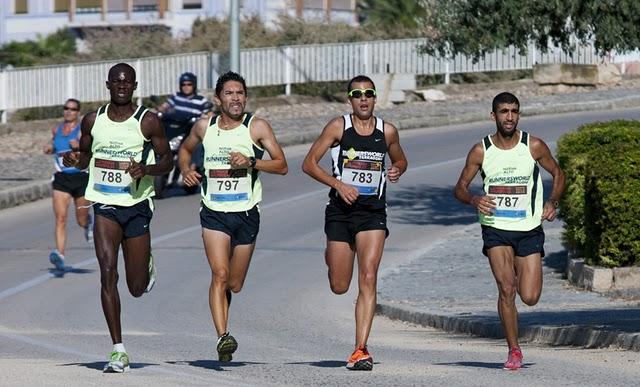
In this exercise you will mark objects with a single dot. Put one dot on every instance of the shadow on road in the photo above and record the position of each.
(213, 364)
(322, 363)
(556, 261)
(99, 365)
(69, 269)
(425, 204)
(479, 364)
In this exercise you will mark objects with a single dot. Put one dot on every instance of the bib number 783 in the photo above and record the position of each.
(362, 177)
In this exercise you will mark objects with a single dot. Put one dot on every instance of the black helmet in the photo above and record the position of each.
(189, 77)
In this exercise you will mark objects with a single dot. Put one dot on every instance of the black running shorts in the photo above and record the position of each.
(134, 220)
(342, 223)
(523, 242)
(241, 226)
(72, 183)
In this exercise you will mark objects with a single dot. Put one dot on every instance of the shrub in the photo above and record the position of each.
(586, 197)
(54, 48)
(612, 206)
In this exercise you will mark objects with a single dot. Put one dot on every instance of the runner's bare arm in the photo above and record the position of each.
(330, 136)
(80, 159)
(542, 154)
(396, 154)
(262, 134)
(48, 147)
(152, 129)
(189, 174)
(484, 204)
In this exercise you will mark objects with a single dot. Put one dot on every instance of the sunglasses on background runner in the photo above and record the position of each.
(70, 108)
(357, 93)
(186, 84)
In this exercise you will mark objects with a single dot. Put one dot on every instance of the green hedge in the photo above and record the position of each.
(601, 204)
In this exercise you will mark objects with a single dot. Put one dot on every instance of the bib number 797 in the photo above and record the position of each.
(227, 185)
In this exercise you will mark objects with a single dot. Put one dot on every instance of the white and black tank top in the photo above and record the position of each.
(360, 162)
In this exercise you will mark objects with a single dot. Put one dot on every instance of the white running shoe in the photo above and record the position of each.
(118, 362)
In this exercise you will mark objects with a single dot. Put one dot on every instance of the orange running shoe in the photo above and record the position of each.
(360, 360)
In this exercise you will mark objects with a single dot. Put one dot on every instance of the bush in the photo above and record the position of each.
(54, 48)
(613, 206)
(586, 202)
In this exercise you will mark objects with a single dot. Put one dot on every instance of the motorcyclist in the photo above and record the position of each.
(178, 115)
(186, 104)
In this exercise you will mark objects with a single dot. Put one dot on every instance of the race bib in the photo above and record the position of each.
(110, 176)
(362, 174)
(511, 201)
(228, 185)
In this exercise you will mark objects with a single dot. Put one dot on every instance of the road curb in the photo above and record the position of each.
(25, 193)
(489, 327)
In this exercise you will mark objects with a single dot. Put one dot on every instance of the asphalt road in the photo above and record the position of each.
(291, 329)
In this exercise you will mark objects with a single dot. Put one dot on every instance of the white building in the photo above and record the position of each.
(22, 20)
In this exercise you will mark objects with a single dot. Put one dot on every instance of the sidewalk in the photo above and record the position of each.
(453, 289)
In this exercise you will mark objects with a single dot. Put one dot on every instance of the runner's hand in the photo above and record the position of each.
(71, 159)
(484, 204)
(191, 177)
(238, 160)
(136, 170)
(347, 192)
(393, 174)
(549, 212)
(47, 148)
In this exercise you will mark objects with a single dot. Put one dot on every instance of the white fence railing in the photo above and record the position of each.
(52, 85)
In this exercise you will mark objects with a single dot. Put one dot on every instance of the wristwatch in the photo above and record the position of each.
(555, 203)
(252, 160)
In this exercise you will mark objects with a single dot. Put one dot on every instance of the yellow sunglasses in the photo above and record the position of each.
(357, 93)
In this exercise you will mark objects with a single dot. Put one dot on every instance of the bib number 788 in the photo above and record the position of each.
(112, 177)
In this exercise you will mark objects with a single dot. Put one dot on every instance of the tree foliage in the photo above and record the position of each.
(395, 17)
(43, 50)
(475, 27)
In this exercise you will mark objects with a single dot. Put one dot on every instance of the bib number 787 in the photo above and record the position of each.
(507, 201)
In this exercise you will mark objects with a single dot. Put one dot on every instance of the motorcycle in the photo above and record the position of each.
(177, 128)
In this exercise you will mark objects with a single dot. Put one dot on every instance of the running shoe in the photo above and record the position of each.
(152, 274)
(88, 231)
(227, 345)
(118, 362)
(360, 360)
(514, 361)
(57, 259)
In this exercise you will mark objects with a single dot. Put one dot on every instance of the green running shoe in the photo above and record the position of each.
(152, 274)
(227, 345)
(118, 362)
